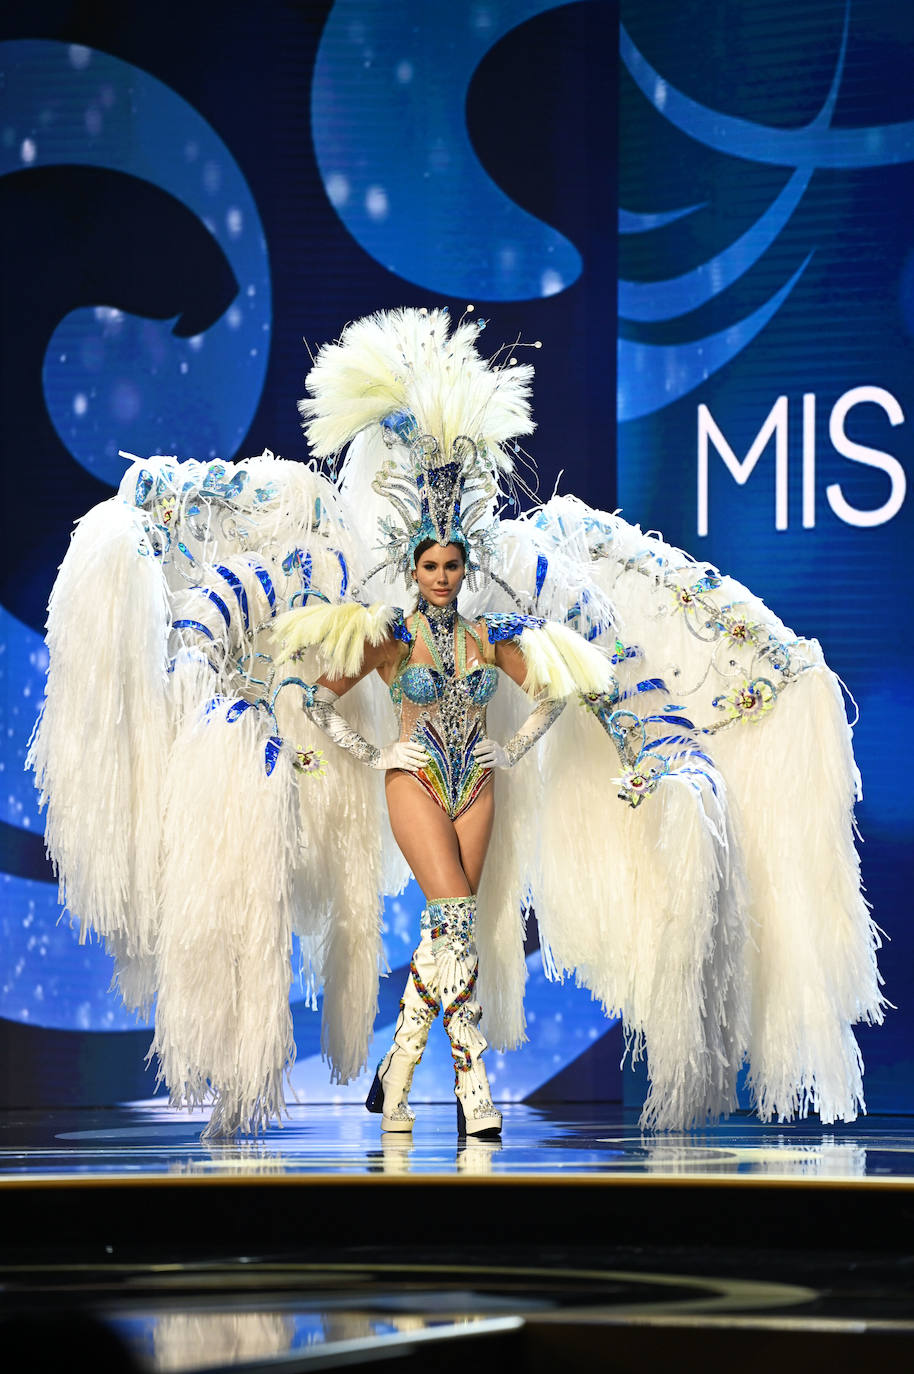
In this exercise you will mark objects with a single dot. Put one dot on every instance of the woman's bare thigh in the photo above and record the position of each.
(474, 830)
(445, 858)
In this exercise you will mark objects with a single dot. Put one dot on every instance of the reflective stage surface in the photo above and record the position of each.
(559, 1142)
(575, 1240)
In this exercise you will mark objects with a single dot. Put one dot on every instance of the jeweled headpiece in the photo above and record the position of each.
(437, 418)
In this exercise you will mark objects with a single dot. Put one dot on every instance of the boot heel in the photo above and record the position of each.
(481, 1131)
(401, 1118)
(374, 1102)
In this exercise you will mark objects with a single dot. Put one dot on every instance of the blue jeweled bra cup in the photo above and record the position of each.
(420, 684)
(481, 684)
(423, 685)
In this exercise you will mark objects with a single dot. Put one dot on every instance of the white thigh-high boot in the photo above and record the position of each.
(453, 942)
(419, 1006)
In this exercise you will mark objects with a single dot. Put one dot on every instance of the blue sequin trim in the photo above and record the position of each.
(219, 604)
(190, 656)
(506, 626)
(263, 577)
(192, 625)
(308, 688)
(271, 752)
(399, 628)
(298, 558)
(144, 485)
(237, 587)
(273, 745)
(400, 424)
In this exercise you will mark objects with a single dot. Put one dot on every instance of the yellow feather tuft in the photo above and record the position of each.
(559, 662)
(338, 634)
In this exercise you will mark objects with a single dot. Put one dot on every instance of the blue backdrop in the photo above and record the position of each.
(766, 360)
(188, 192)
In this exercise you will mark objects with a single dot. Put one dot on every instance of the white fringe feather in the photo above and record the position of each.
(223, 1023)
(99, 748)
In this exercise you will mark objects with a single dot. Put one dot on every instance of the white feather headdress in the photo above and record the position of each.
(437, 419)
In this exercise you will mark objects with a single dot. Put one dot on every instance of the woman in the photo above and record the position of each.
(440, 672)
(717, 909)
(425, 423)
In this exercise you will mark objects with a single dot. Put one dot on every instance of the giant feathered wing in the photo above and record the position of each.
(715, 903)
(99, 748)
(170, 755)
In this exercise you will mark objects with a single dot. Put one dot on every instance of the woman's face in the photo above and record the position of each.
(439, 574)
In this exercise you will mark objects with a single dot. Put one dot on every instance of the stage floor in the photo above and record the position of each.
(574, 1239)
(564, 1142)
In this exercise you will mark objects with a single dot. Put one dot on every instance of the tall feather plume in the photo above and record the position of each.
(407, 360)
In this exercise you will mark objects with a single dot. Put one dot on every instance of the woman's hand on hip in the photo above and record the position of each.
(489, 754)
(403, 754)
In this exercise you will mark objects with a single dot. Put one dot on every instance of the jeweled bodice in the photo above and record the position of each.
(442, 704)
(424, 685)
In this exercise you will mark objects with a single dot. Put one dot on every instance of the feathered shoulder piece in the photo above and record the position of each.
(338, 634)
(558, 660)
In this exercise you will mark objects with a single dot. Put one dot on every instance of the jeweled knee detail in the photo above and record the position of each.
(452, 923)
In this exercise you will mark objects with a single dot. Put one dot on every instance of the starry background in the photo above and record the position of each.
(192, 193)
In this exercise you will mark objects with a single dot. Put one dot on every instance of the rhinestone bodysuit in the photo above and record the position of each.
(442, 706)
